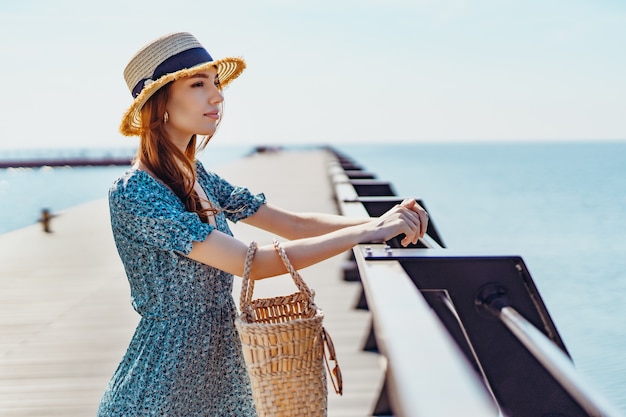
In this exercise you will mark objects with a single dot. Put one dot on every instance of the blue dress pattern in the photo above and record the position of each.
(185, 357)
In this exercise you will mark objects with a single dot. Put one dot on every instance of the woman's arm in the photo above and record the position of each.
(299, 225)
(227, 253)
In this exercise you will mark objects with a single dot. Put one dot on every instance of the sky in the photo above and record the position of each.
(354, 71)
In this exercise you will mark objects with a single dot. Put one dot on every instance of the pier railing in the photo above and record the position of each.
(462, 334)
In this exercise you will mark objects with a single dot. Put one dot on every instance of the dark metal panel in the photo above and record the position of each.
(522, 387)
(361, 175)
(373, 188)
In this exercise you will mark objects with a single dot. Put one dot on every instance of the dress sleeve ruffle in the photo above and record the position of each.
(237, 202)
(242, 204)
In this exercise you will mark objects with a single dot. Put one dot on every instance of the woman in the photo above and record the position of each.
(169, 222)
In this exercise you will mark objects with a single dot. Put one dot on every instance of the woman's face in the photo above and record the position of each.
(193, 106)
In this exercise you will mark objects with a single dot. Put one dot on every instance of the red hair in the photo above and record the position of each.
(175, 168)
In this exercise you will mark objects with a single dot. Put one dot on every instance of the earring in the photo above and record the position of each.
(166, 117)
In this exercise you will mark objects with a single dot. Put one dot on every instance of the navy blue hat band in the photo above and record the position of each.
(182, 60)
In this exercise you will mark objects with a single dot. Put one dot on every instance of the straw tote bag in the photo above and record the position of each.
(285, 347)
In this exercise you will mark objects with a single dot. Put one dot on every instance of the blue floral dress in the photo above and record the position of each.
(185, 357)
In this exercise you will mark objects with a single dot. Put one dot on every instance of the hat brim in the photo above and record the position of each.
(227, 69)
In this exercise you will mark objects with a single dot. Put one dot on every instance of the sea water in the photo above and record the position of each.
(561, 206)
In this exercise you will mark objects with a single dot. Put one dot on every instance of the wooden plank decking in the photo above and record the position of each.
(65, 316)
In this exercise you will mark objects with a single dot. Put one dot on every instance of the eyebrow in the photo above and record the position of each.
(201, 75)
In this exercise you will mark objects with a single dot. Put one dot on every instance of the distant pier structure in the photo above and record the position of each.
(61, 158)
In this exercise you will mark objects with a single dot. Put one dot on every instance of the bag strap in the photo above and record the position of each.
(247, 284)
(297, 278)
(331, 355)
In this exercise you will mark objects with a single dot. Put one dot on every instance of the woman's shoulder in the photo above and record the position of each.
(205, 174)
(131, 179)
(136, 183)
(200, 169)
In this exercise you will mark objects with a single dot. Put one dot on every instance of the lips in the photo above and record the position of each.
(213, 115)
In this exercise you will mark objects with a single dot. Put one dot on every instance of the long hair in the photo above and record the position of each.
(175, 168)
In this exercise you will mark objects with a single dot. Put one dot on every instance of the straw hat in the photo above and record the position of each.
(166, 59)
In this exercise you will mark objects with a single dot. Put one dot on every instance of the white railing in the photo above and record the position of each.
(427, 375)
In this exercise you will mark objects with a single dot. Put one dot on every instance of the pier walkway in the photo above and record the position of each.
(66, 319)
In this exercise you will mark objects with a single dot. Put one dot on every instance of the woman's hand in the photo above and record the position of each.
(407, 218)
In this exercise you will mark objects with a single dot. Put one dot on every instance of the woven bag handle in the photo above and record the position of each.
(247, 284)
(297, 278)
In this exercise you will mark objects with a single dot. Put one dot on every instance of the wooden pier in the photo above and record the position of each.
(66, 318)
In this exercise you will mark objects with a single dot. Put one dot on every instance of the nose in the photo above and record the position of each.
(216, 96)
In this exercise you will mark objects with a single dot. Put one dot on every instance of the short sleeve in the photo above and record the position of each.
(145, 212)
(236, 202)
(242, 204)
